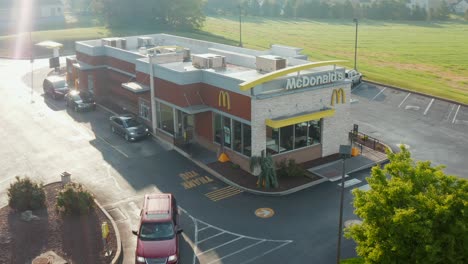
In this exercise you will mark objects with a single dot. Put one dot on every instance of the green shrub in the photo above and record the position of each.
(74, 200)
(289, 168)
(25, 194)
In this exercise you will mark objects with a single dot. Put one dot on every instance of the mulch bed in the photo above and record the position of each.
(247, 180)
(76, 239)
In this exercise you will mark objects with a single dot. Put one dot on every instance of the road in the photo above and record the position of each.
(41, 139)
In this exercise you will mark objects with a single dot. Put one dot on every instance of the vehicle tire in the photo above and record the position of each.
(127, 137)
(360, 80)
(76, 108)
(113, 129)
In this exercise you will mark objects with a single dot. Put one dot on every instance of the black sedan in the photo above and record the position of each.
(80, 101)
(129, 127)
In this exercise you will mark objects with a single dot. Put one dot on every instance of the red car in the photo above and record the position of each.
(158, 235)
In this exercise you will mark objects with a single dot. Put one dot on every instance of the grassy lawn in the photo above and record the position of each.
(422, 56)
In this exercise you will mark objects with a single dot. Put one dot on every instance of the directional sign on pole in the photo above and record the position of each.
(264, 212)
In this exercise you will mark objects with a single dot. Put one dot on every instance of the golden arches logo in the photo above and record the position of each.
(338, 96)
(224, 100)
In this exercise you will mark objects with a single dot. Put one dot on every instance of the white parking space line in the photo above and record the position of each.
(350, 183)
(450, 113)
(201, 229)
(455, 116)
(378, 94)
(404, 100)
(427, 109)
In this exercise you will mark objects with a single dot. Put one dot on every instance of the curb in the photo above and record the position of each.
(223, 179)
(118, 253)
(415, 92)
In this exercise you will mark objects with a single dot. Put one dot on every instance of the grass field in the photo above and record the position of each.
(426, 57)
(422, 56)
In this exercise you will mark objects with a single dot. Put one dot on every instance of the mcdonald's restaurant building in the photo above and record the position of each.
(221, 97)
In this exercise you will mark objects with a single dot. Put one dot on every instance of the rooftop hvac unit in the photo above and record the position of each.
(145, 42)
(208, 61)
(269, 63)
(186, 54)
(120, 43)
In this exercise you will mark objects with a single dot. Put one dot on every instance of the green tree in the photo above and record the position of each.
(267, 177)
(466, 15)
(414, 213)
(161, 13)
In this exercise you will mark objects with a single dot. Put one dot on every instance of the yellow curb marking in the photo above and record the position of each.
(264, 212)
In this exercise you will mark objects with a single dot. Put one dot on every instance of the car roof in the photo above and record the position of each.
(157, 208)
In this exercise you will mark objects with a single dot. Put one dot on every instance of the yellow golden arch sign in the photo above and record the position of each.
(338, 96)
(224, 100)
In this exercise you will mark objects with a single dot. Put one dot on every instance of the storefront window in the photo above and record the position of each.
(166, 117)
(315, 131)
(237, 136)
(247, 139)
(145, 110)
(300, 135)
(217, 127)
(286, 138)
(293, 137)
(227, 131)
(272, 140)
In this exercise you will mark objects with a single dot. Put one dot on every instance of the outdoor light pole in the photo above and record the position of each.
(240, 26)
(345, 152)
(355, 44)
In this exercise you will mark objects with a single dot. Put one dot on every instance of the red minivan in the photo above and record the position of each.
(158, 240)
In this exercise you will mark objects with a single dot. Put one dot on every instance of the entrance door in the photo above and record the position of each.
(185, 129)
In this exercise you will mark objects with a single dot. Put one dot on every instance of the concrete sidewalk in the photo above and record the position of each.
(333, 171)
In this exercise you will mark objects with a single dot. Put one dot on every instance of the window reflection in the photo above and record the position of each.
(293, 137)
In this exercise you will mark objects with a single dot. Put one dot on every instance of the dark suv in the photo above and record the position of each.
(158, 240)
(55, 86)
(80, 101)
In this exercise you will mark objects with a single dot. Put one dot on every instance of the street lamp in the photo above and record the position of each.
(240, 25)
(345, 152)
(151, 58)
(355, 44)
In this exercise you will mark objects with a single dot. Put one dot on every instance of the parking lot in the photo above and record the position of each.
(432, 128)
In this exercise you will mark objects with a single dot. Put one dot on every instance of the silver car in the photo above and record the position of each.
(129, 127)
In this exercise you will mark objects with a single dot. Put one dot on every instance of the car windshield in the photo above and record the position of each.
(157, 231)
(131, 122)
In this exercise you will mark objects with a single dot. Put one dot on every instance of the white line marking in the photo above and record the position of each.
(213, 248)
(118, 150)
(378, 94)
(238, 251)
(404, 100)
(203, 240)
(455, 116)
(206, 227)
(427, 109)
(196, 242)
(264, 253)
(135, 208)
(350, 183)
(450, 113)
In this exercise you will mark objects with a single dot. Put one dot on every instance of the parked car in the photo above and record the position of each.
(354, 76)
(55, 86)
(129, 127)
(157, 236)
(80, 101)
